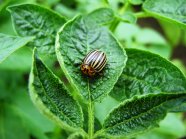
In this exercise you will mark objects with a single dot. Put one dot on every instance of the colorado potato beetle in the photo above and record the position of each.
(93, 62)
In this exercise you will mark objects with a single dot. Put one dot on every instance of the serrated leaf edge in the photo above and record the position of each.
(43, 109)
(102, 131)
(30, 4)
(159, 56)
(157, 15)
(61, 61)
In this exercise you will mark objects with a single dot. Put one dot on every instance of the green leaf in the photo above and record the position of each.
(128, 17)
(50, 96)
(172, 32)
(184, 38)
(37, 124)
(172, 127)
(75, 135)
(172, 11)
(3, 4)
(101, 16)
(33, 20)
(21, 60)
(9, 44)
(13, 86)
(74, 40)
(9, 120)
(180, 108)
(148, 73)
(103, 108)
(140, 114)
(66, 11)
(180, 64)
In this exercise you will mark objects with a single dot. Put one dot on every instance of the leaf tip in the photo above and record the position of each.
(34, 52)
(10, 8)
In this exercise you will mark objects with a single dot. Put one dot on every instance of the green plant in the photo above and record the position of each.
(142, 86)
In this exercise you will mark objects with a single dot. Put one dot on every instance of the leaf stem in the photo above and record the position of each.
(124, 8)
(90, 114)
(98, 133)
(90, 119)
(121, 11)
(141, 14)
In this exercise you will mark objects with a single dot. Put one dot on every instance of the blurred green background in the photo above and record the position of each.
(19, 119)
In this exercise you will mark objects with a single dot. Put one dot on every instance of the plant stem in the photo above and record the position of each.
(106, 2)
(142, 15)
(98, 133)
(124, 8)
(90, 119)
(121, 11)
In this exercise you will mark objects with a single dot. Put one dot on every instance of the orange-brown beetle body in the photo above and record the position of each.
(93, 63)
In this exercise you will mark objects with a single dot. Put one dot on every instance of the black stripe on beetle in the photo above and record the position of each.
(94, 62)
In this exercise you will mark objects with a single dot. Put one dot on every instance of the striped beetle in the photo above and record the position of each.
(93, 63)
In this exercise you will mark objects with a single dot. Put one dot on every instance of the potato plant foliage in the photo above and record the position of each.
(145, 85)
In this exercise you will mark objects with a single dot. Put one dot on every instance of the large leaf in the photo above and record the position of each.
(140, 114)
(50, 96)
(9, 44)
(33, 20)
(148, 73)
(173, 11)
(78, 37)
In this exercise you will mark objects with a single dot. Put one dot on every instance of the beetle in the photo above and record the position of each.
(94, 62)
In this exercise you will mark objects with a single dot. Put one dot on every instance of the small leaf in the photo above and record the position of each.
(50, 96)
(128, 17)
(9, 44)
(140, 114)
(78, 37)
(33, 20)
(146, 73)
(172, 11)
(101, 16)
